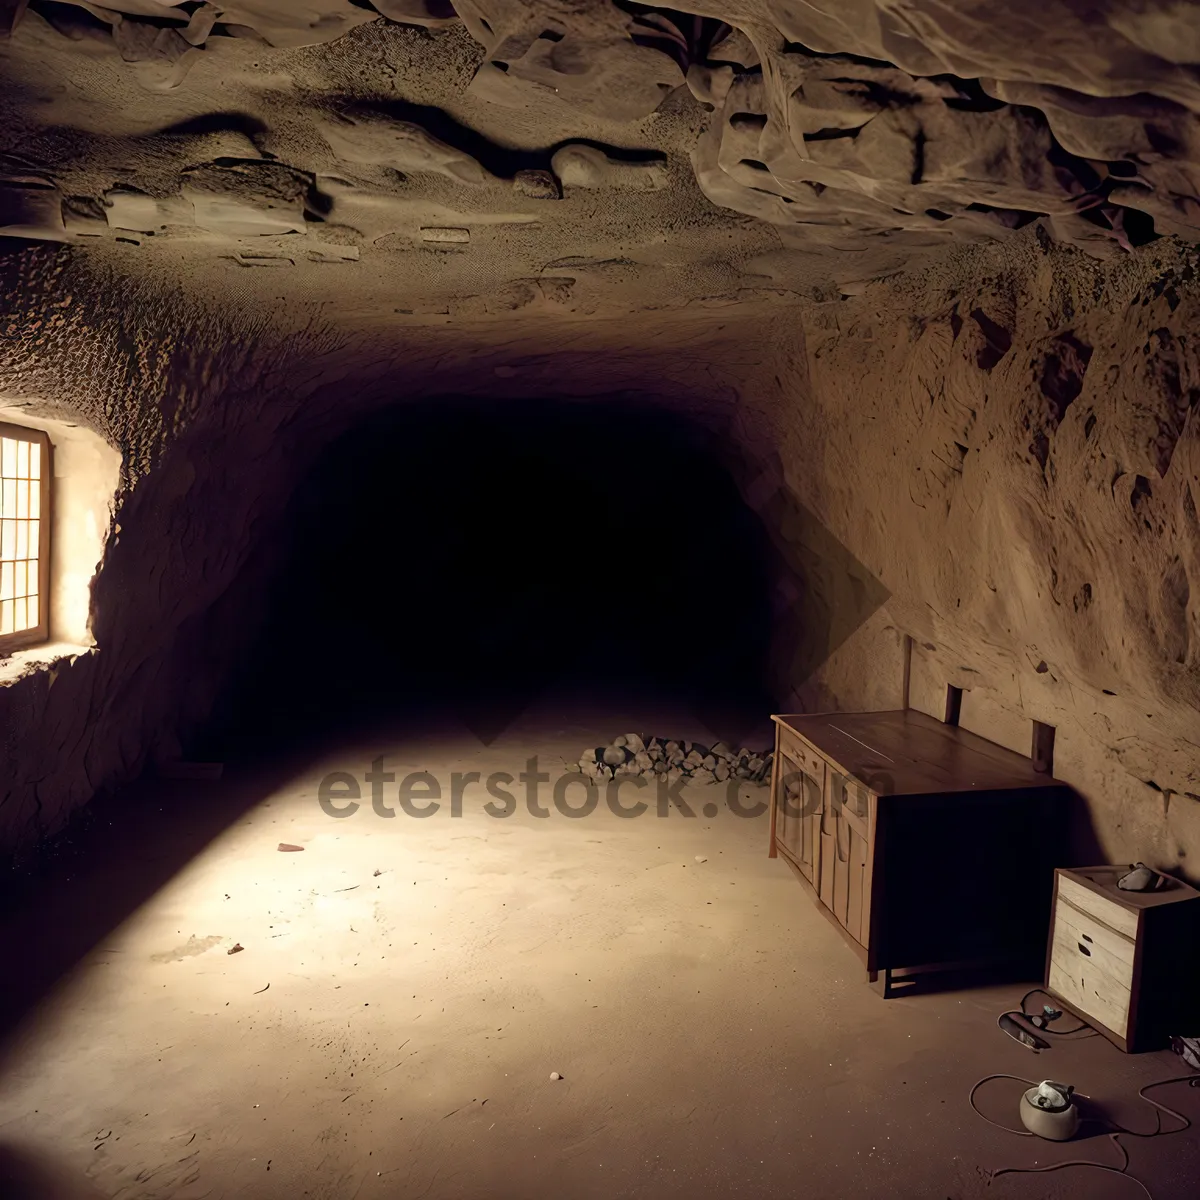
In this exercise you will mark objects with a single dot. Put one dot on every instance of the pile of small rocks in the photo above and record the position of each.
(632, 754)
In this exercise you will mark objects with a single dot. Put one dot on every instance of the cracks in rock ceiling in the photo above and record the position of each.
(342, 132)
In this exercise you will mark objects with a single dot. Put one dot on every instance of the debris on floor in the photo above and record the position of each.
(555, 1076)
(288, 848)
(631, 754)
(1188, 1048)
(237, 948)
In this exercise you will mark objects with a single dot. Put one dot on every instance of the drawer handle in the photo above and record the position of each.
(1087, 937)
(1084, 950)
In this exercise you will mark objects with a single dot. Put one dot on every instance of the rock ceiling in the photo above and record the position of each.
(522, 143)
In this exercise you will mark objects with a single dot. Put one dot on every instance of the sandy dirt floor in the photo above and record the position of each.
(407, 987)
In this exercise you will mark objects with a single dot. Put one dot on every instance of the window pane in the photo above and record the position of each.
(21, 467)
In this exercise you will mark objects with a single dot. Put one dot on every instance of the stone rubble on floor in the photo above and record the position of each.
(631, 754)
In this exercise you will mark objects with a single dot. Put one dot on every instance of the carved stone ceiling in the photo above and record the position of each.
(507, 152)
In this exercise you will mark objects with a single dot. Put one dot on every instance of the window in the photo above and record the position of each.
(24, 536)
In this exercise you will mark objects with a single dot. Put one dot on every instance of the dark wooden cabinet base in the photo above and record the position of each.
(929, 848)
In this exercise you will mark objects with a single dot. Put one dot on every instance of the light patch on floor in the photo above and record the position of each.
(407, 987)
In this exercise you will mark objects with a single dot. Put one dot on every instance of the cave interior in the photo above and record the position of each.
(420, 417)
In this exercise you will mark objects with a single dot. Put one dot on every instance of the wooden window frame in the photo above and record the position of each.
(41, 633)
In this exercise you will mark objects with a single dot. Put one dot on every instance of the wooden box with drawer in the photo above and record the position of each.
(1125, 962)
(927, 846)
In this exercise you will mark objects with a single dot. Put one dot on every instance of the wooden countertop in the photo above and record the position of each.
(1103, 881)
(905, 752)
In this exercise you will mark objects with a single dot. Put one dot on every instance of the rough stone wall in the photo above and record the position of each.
(217, 415)
(997, 456)
(113, 358)
(1011, 444)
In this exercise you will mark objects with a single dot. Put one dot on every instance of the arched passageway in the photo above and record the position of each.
(468, 556)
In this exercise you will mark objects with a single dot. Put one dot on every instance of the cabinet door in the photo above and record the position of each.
(798, 807)
(784, 816)
(858, 924)
(827, 832)
(850, 821)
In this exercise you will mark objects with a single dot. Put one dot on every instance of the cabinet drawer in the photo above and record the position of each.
(1116, 916)
(805, 756)
(1091, 965)
(852, 802)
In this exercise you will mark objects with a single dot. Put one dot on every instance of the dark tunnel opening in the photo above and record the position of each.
(470, 556)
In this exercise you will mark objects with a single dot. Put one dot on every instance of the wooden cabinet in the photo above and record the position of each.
(927, 846)
(1124, 961)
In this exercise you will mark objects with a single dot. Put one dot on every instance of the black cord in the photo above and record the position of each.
(1081, 1031)
(1046, 1028)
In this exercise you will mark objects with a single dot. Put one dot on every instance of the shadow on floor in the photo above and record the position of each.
(122, 848)
(28, 1175)
(120, 851)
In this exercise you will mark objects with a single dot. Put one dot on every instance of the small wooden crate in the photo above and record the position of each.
(1125, 962)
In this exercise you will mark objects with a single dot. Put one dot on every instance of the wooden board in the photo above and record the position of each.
(827, 829)
(1084, 984)
(1108, 953)
(841, 871)
(909, 753)
(772, 846)
(1115, 916)
(793, 825)
(1102, 881)
(857, 888)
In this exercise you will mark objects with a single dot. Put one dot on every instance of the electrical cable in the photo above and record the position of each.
(1041, 1022)
(1046, 1028)
(1192, 1081)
